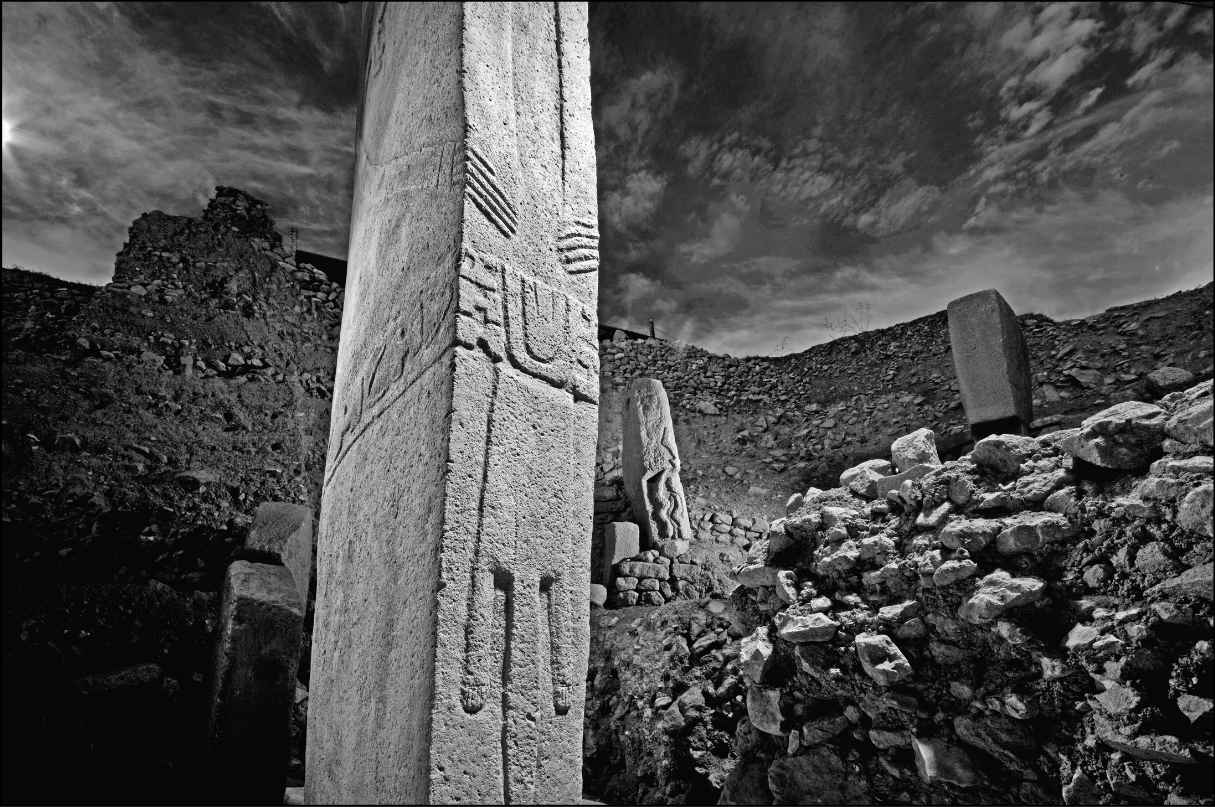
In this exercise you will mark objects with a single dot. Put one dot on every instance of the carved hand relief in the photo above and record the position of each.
(544, 332)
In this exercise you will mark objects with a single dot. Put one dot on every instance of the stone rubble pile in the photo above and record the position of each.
(1028, 623)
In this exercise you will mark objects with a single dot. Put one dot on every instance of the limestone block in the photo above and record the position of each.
(282, 534)
(260, 631)
(621, 540)
(991, 361)
(798, 628)
(650, 460)
(862, 479)
(449, 652)
(881, 658)
(997, 593)
(1126, 435)
(917, 448)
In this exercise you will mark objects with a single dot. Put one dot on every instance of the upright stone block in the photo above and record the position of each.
(282, 534)
(450, 643)
(260, 630)
(621, 540)
(651, 465)
(992, 364)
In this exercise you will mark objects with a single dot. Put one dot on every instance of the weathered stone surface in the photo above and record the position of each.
(953, 571)
(1195, 582)
(621, 540)
(818, 776)
(1192, 420)
(997, 593)
(1164, 380)
(917, 448)
(1126, 435)
(639, 568)
(1026, 532)
(651, 464)
(256, 658)
(895, 481)
(450, 643)
(598, 595)
(862, 479)
(971, 534)
(282, 535)
(1003, 453)
(763, 708)
(799, 628)
(1194, 511)
(755, 653)
(990, 359)
(1010, 741)
(936, 761)
(882, 659)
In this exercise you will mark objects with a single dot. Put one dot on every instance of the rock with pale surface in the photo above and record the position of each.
(998, 592)
(1125, 436)
(881, 658)
(917, 448)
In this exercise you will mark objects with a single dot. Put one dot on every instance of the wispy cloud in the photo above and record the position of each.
(113, 119)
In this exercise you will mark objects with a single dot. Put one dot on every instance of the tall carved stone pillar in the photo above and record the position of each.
(450, 645)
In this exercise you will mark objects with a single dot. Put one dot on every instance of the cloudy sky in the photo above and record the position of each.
(770, 174)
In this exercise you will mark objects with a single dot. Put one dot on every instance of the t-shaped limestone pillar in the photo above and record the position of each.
(450, 645)
(992, 364)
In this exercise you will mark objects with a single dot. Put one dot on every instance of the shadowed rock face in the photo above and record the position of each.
(144, 422)
(453, 555)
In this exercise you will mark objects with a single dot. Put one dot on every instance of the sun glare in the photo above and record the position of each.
(8, 133)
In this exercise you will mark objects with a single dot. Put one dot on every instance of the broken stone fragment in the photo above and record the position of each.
(884, 739)
(598, 595)
(763, 709)
(1191, 419)
(1194, 511)
(1193, 706)
(931, 519)
(862, 479)
(1009, 741)
(820, 731)
(937, 761)
(1124, 436)
(1194, 582)
(281, 534)
(818, 776)
(881, 658)
(1003, 453)
(893, 482)
(786, 586)
(754, 654)
(971, 534)
(798, 628)
(1150, 747)
(1026, 532)
(899, 612)
(917, 448)
(997, 593)
(953, 571)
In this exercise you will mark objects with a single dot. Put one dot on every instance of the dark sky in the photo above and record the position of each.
(769, 173)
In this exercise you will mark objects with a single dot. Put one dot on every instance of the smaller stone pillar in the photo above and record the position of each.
(651, 468)
(261, 628)
(281, 535)
(621, 540)
(992, 364)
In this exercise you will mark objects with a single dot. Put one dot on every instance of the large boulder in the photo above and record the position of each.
(1125, 436)
(1191, 420)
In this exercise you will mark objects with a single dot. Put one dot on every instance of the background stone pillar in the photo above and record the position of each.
(450, 642)
(651, 468)
(992, 364)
